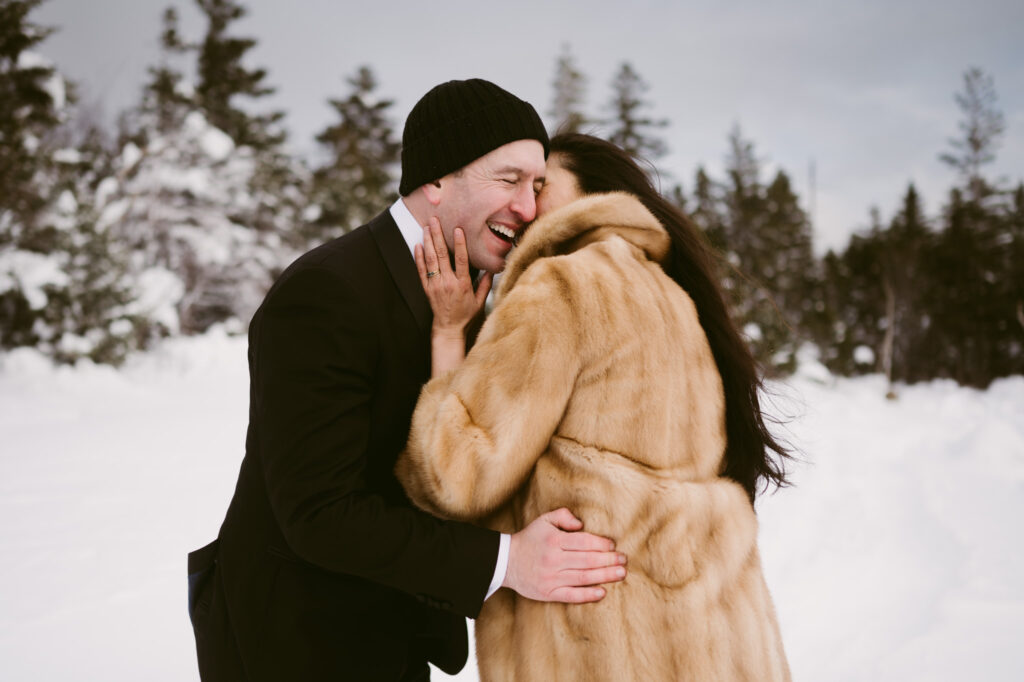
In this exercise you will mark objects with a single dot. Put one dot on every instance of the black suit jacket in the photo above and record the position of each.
(324, 569)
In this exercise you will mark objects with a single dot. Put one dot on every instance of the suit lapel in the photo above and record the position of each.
(402, 267)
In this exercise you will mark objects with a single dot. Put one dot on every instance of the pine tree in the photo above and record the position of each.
(359, 177)
(60, 276)
(222, 78)
(707, 210)
(211, 212)
(167, 96)
(855, 300)
(27, 114)
(905, 247)
(788, 268)
(629, 128)
(981, 127)
(974, 291)
(569, 88)
(744, 212)
(1013, 346)
(770, 272)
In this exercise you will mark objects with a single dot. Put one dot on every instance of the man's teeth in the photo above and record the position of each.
(502, 230)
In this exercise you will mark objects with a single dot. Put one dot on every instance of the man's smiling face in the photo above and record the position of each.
(491, 199)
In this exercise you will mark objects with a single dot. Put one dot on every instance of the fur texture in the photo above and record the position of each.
(592, 386)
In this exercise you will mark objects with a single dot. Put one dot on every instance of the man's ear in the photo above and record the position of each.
(432, 191)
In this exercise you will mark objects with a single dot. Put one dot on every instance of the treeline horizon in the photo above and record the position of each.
(181, 218)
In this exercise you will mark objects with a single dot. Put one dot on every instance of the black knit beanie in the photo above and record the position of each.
(458, 122)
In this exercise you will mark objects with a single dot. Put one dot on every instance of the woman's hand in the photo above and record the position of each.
(451, 294)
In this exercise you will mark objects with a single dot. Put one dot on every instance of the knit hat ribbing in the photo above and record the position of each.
(458, 122)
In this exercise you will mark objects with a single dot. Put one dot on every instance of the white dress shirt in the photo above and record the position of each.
(412, 232)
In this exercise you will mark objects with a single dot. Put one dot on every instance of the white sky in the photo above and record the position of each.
(864, 89)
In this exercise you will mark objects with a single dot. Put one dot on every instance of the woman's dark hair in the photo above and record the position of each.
(601, 166)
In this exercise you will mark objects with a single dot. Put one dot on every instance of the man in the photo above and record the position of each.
(322, 569)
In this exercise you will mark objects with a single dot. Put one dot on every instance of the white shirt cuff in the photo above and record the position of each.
(501, 567)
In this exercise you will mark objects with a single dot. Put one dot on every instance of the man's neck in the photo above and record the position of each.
(419, 207)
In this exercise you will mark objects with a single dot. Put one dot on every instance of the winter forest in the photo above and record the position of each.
(132, 248)
(181, 218)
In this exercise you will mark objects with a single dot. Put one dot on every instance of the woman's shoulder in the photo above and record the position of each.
(593, 219)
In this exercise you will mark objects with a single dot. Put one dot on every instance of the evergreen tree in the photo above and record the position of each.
(981, 127)
(905, 247)
(27, 114)
(630, 129)
(222, 77)
(1013, 346)
(974, 292)
(211, 213)
(744, 215)
(569, 92)
(707, 210)
(788, 268)
(185, 205)
(167, 97)
(855, 300)
(359, 176)
(770, 272)
(61, 287)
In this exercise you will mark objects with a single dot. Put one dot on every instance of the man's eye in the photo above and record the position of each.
(509, 181)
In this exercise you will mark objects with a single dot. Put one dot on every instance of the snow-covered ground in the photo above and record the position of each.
(897, 556)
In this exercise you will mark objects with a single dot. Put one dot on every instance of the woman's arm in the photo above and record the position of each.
(477, 431)
(451, 295)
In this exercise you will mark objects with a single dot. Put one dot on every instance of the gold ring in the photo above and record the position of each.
(432, 273)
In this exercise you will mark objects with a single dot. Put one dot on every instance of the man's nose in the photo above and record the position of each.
(524, 204)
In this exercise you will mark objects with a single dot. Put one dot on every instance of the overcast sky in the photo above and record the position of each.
(864, 89)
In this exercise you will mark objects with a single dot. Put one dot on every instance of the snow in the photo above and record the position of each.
(156, 291)
(54, 85)
(214, 142)
(863, 355)
(112, 213)
(896, 555)
(106, 189)
(68, 156)
(130, 155)
(31, 272)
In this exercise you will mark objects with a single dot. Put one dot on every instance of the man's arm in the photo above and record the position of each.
(316, 366)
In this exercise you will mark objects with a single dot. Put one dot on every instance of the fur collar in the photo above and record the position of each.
(591, 219)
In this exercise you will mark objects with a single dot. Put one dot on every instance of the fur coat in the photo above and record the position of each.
(592, 386)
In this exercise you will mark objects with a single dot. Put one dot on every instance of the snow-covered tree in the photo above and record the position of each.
(167, 96)
(184, 206)
(222, 77)
(61, 286)
(358, 178)
(31, 95)
(209, 216)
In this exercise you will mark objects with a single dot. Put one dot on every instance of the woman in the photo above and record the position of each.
(609, 379)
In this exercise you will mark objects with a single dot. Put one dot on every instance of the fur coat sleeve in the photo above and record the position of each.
(477, 431)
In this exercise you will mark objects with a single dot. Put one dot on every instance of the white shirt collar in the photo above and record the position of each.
(412, 231)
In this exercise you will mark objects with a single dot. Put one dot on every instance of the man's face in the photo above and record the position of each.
(492, 199)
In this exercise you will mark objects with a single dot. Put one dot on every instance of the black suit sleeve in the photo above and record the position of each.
(314, 365)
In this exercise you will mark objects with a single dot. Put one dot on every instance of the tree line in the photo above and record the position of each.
(182, 217)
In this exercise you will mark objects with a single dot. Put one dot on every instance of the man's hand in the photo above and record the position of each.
(547, 563)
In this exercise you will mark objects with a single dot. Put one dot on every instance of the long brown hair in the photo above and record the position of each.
(601, 166)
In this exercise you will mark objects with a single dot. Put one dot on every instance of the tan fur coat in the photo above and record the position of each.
(592, 386)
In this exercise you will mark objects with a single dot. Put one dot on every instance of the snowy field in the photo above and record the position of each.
(897, 556)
